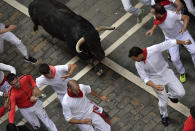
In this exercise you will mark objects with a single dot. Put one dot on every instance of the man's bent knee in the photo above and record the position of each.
(180, 93)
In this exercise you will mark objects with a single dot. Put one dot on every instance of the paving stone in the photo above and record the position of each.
(146, 110)
(73, 4)
(39, 46)
(126, 127)
(113, 112)
(13, 17)
(135, 102)
(149, 125)
(125, 110)
(114, 120)
(158, 127)
(147, 118)
(113, 6)
(138, 126)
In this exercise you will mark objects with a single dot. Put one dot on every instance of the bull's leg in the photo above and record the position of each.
(97, 67)
(93, 62)
(32, 13)
(35, 28)
(100, 71)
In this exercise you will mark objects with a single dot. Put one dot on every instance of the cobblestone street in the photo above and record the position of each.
(130, 107)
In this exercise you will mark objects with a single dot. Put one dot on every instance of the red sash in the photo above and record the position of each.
(103, 114)
(95, 108)
(4, 79)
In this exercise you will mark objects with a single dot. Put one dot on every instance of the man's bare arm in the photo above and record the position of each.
(104, 98)
(179, 6)
(83, 121)
(10, 28)
(71, 69)
(186, 20)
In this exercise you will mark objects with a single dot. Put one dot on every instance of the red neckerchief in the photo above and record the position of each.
(165, 2)
(53, 70)
(161, 20)
(73, 95)
(4, 79)
(145, 54)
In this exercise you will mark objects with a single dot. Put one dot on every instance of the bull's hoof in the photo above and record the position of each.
(35, 28)
(100, 72)
(92, 62)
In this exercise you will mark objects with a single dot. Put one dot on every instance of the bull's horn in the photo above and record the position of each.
(79, 43)
(104, 28)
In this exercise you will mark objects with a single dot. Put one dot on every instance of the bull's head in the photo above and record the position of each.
(92, 41)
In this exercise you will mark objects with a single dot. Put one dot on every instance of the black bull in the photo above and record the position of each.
(60, 22)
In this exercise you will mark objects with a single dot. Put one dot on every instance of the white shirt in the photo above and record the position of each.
(154, 64)
(2, 26)
(5, 87)
(58, 84)
(167, 7)
(6, 68)
(172, 25)
(78, 108)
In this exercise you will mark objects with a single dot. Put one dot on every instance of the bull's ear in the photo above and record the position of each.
(104, 28)
(79, 43)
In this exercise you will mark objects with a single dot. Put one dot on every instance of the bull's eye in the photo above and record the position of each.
(85, 52)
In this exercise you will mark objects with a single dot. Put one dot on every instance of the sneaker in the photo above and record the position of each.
(140, 16)
(174, 100)
(31, 60)
(182, 78)
(165, 121)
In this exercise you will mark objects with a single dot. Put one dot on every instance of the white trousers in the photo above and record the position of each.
(9, 36)
(175, 89)
(129, 8)
(32, 114)
(190, 6)
(97, 124)
(174, 51)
